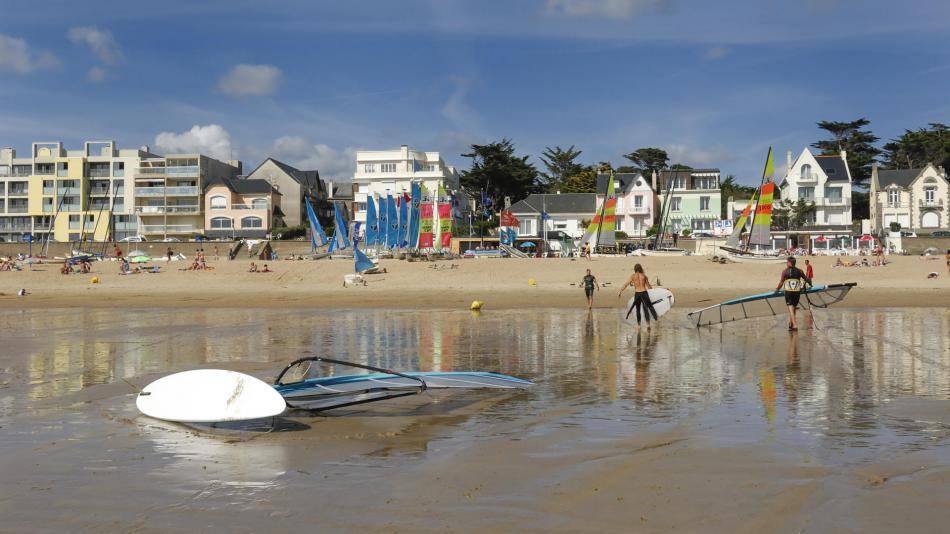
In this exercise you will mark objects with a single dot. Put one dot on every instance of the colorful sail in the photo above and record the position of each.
(425, 225)
(445, 224)
(415, 198)
(372, 223)
(316, 231)
(741, 223)
(761, 234)
(402, 241)
(600, 231)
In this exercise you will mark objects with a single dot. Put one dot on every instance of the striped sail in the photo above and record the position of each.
(600, 231)
(761, 234)
(740, 226)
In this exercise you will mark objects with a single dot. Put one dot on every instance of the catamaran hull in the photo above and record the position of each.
(664, 252)
(756, 258)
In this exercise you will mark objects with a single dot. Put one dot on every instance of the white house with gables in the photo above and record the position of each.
(824, 180)
(635, 211)
(917, 199)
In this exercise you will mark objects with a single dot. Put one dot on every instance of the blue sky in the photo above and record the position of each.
(713, 82)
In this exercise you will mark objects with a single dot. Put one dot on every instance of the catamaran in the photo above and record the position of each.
(769, 304)
(659, 248)
(601, 230)
(757, 248)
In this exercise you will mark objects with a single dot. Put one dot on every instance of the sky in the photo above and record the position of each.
(715, 83)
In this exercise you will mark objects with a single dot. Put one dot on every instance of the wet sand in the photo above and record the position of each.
(843, 426)
(500, 283)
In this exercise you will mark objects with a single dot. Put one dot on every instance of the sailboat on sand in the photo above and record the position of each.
(659, 247)
(757, 248)
(601, 230)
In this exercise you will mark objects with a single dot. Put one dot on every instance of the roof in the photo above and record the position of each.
(835, 168)
(563, 203)
(627, 180)
(244, 186)
(901, 177)
(340, 189)
(309, 179)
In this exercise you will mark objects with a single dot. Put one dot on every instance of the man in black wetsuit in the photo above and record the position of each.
(590, 282)
(793, 282)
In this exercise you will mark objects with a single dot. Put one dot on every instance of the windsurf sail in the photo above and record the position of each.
(769, 304)
(361, 262)
(415, 198)
(372, 223)
(316, 231)
(401, 240)
(600, 231)
(326, 392)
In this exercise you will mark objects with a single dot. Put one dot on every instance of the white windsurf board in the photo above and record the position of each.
(661, 298)
(209, 396)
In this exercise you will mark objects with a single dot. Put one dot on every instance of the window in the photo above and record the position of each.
(360, 206)
(118, 169)
(388, 167)
(806, 193)
(259, 203)
(806, 173)
(74, 222)
(702, 225)
(251, 222)
(525, 226)
(4, 170)
(893, 198)
(45, 168)
(219, 202)
(705, 182)
(638, 201)
(704, 203)
(220, 223)
(675, 203)
(369, 168)
(833, 194)
(62, 169)
(431, 167)
(930, 195)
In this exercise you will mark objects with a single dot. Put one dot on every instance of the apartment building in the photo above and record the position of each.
(917, 199)
(824, 180)
(169, 191)
(635, 212)
(695, 201)
(68, 195)
(391, 172)
(240, 208)
(294, 185)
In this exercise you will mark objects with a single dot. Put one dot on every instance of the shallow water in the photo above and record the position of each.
(852, 391)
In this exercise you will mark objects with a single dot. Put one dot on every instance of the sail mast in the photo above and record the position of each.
(766, 173)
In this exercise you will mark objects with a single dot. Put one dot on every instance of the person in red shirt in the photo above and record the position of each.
(809, 272)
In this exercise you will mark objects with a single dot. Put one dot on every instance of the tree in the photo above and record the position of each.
(584, 181)
(916, 148)
(680, 167)
(649, 160)
(728, 187)
(561, 164)
(858, 142)
(498, 172)
(792, 216)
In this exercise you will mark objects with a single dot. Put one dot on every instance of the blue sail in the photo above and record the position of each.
(372, 224)
(392, 219)
(339, 241)
(415, 200)
(362, 263)
(382, 232)
(403, 221)
(316, 231)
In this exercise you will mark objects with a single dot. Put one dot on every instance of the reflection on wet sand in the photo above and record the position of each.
(846, 390)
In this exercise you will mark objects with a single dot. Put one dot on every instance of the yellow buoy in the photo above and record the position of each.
(532, 282)
(95, 280)
(476, 305)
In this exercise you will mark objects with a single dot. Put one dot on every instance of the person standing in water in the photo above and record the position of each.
(793, 282)
(590, 282)
(641, 284)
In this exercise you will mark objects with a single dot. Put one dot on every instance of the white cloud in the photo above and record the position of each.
(624, 9)
(99, 42)
(250, 80)
(16, 56)
(211, 140)
(97, 74)
(333, 164)
(717, 52)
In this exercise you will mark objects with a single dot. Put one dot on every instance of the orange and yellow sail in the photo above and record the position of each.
(762, 221)
(600, 231)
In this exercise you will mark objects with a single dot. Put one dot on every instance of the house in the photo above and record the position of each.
(825, 180)
(294, 185)
(391, 172)
(917, 199)
(635, 211)
(236, 208)
(341, 192)
(569, 213)
(696, 199)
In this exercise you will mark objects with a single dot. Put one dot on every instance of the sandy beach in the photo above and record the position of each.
(500, 283)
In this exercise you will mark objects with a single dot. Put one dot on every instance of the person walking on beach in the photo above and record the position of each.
(793, 281)
(590, 282)
(809, 272)
(641, 299)
(169, 253)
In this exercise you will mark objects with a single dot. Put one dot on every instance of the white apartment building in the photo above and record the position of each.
(391, 172)
(917, 199)
(68, 194)
(824, 180)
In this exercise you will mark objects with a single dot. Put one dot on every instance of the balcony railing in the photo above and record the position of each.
(98, 191)
(191, 170)
(638, 210)
(183, 191)
(17, 209)
(808, 177)
(169, 228)
(924, 203)
(99, 173)
(153, 210)
(21, 172)
(249, 207)
(62, 173)
(18, 191)
(150, 171)
(149, 191)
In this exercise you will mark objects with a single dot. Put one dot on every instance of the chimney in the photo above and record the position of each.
(941, 170)
(653, 180)
(788, 160)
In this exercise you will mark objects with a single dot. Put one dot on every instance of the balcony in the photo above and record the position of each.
(184, 171)
(638, 210)
(835, 201)
(18, 192)
(99, 173)
(157, 210)
(13, 208)
(169, 229)
(184, 191)
(808, 178)
(21, 171)
(96, 191)
(924, 203)
(149, 191)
